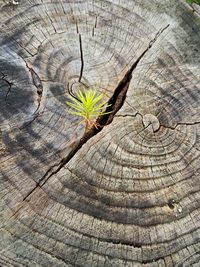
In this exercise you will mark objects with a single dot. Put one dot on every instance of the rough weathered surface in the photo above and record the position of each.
(126, 194)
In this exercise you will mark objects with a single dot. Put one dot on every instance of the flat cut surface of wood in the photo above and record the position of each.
(126, 194)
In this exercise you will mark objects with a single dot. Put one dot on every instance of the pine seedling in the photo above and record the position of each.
(89, 105)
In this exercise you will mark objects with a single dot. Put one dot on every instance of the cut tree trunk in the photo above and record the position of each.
(126, 193)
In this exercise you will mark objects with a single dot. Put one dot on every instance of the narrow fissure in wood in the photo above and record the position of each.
(82, 60)
(9, 85)
(180, 123)
(115, 103)
(95, 26)
(77, 30)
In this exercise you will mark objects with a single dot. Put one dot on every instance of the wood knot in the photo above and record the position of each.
(151, 122)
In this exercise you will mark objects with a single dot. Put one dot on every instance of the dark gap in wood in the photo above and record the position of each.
(171, 204)
(82, 60)
(77, 30)
(9, 85)
(117, 100)
(95, 26)
(125, 243)
(178, 124)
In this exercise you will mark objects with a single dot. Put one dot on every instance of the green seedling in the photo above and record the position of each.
(89, 105)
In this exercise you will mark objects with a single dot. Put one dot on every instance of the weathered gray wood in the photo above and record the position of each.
(126, 194)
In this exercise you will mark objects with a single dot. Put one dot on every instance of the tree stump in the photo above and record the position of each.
(127, 193)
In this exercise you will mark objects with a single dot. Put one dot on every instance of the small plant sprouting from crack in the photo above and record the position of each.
(89, 105)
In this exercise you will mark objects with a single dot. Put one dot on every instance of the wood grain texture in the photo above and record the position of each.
(125, 194)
